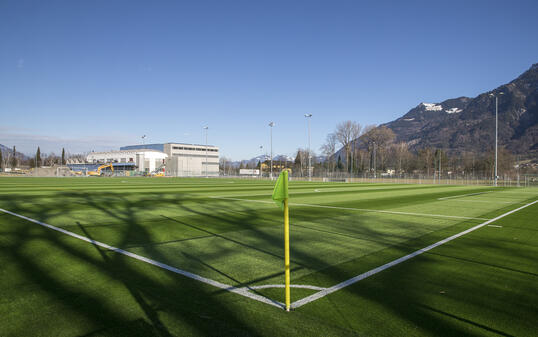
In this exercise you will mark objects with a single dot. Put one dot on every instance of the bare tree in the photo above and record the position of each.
(345, 133)
(225, 165)
(402, 154)
(7, 159)
(50, 159)
(355, 134)
(426, 158)
(329, 149)
(380, 137)
(299, 161)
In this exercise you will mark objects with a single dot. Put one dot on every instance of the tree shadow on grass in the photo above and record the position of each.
(169, 298)
(150, 312)
(185, 300)
(414, 292)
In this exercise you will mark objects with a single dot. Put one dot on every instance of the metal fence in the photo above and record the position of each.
(526, 180)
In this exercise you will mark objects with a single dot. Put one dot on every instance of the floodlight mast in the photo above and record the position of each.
(308, 116)
(143, 138)
(261, 158)
(206, 128)
(496, 131)
(271, 124)
(374, 161)
(440, 154)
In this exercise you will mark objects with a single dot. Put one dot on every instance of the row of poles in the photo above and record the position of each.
(309, 116)
(271, 125)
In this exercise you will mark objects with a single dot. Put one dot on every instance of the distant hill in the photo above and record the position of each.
(468, 124)
(6, 150)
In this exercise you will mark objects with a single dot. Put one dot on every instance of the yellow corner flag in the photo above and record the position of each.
(280, 193)
(280, 196)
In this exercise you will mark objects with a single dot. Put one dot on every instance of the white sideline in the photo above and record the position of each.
(240, 291)
(358, 209)
(488, 201)
(293, 192)
(464, 195)
(374, 271)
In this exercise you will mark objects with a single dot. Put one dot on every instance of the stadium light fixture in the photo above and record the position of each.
(375, 166)
(271, 124)
(496, 130)
(262, 158)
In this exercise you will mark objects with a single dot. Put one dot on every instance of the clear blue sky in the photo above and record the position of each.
(95, 75)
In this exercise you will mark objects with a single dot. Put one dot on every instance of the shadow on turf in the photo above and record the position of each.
(184, 299)
(149, 311)
(174, 301)
(481, 326)
(180, 297)
(433, 310)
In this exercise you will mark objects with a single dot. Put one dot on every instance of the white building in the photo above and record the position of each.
(146, 160)
(185, 160)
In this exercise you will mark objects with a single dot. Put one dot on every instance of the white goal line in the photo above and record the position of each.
(241, 291)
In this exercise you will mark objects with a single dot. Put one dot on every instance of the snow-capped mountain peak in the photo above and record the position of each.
(453, 111)
(432, 107)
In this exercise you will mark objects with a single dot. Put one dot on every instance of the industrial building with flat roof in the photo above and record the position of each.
(184, 160)
(145, 160)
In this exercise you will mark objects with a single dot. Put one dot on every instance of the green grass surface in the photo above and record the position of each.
(484, 283)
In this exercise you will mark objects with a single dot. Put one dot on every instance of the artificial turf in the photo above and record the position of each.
(484, 283)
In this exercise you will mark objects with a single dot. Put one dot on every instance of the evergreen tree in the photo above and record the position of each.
(38, 157)
(14, 159)
(63, 157)
(339, 165)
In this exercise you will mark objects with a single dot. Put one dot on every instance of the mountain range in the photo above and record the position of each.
(468, 124)
(5, 150)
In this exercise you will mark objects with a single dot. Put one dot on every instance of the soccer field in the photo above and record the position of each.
(148, 256)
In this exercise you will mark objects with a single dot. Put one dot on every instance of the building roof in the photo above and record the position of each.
(124, 151)
(151, 146)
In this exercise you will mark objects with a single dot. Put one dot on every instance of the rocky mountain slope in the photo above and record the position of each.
(468, 124)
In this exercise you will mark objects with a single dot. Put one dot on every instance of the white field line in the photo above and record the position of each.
(323, 189)
(495, 226)
(489, 202)
(240, 291)
(301, 286)
(463, 195)
(374, 271)
(359, 209)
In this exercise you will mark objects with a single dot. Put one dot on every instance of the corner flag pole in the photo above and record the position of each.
(287, 252)
(281, 196)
